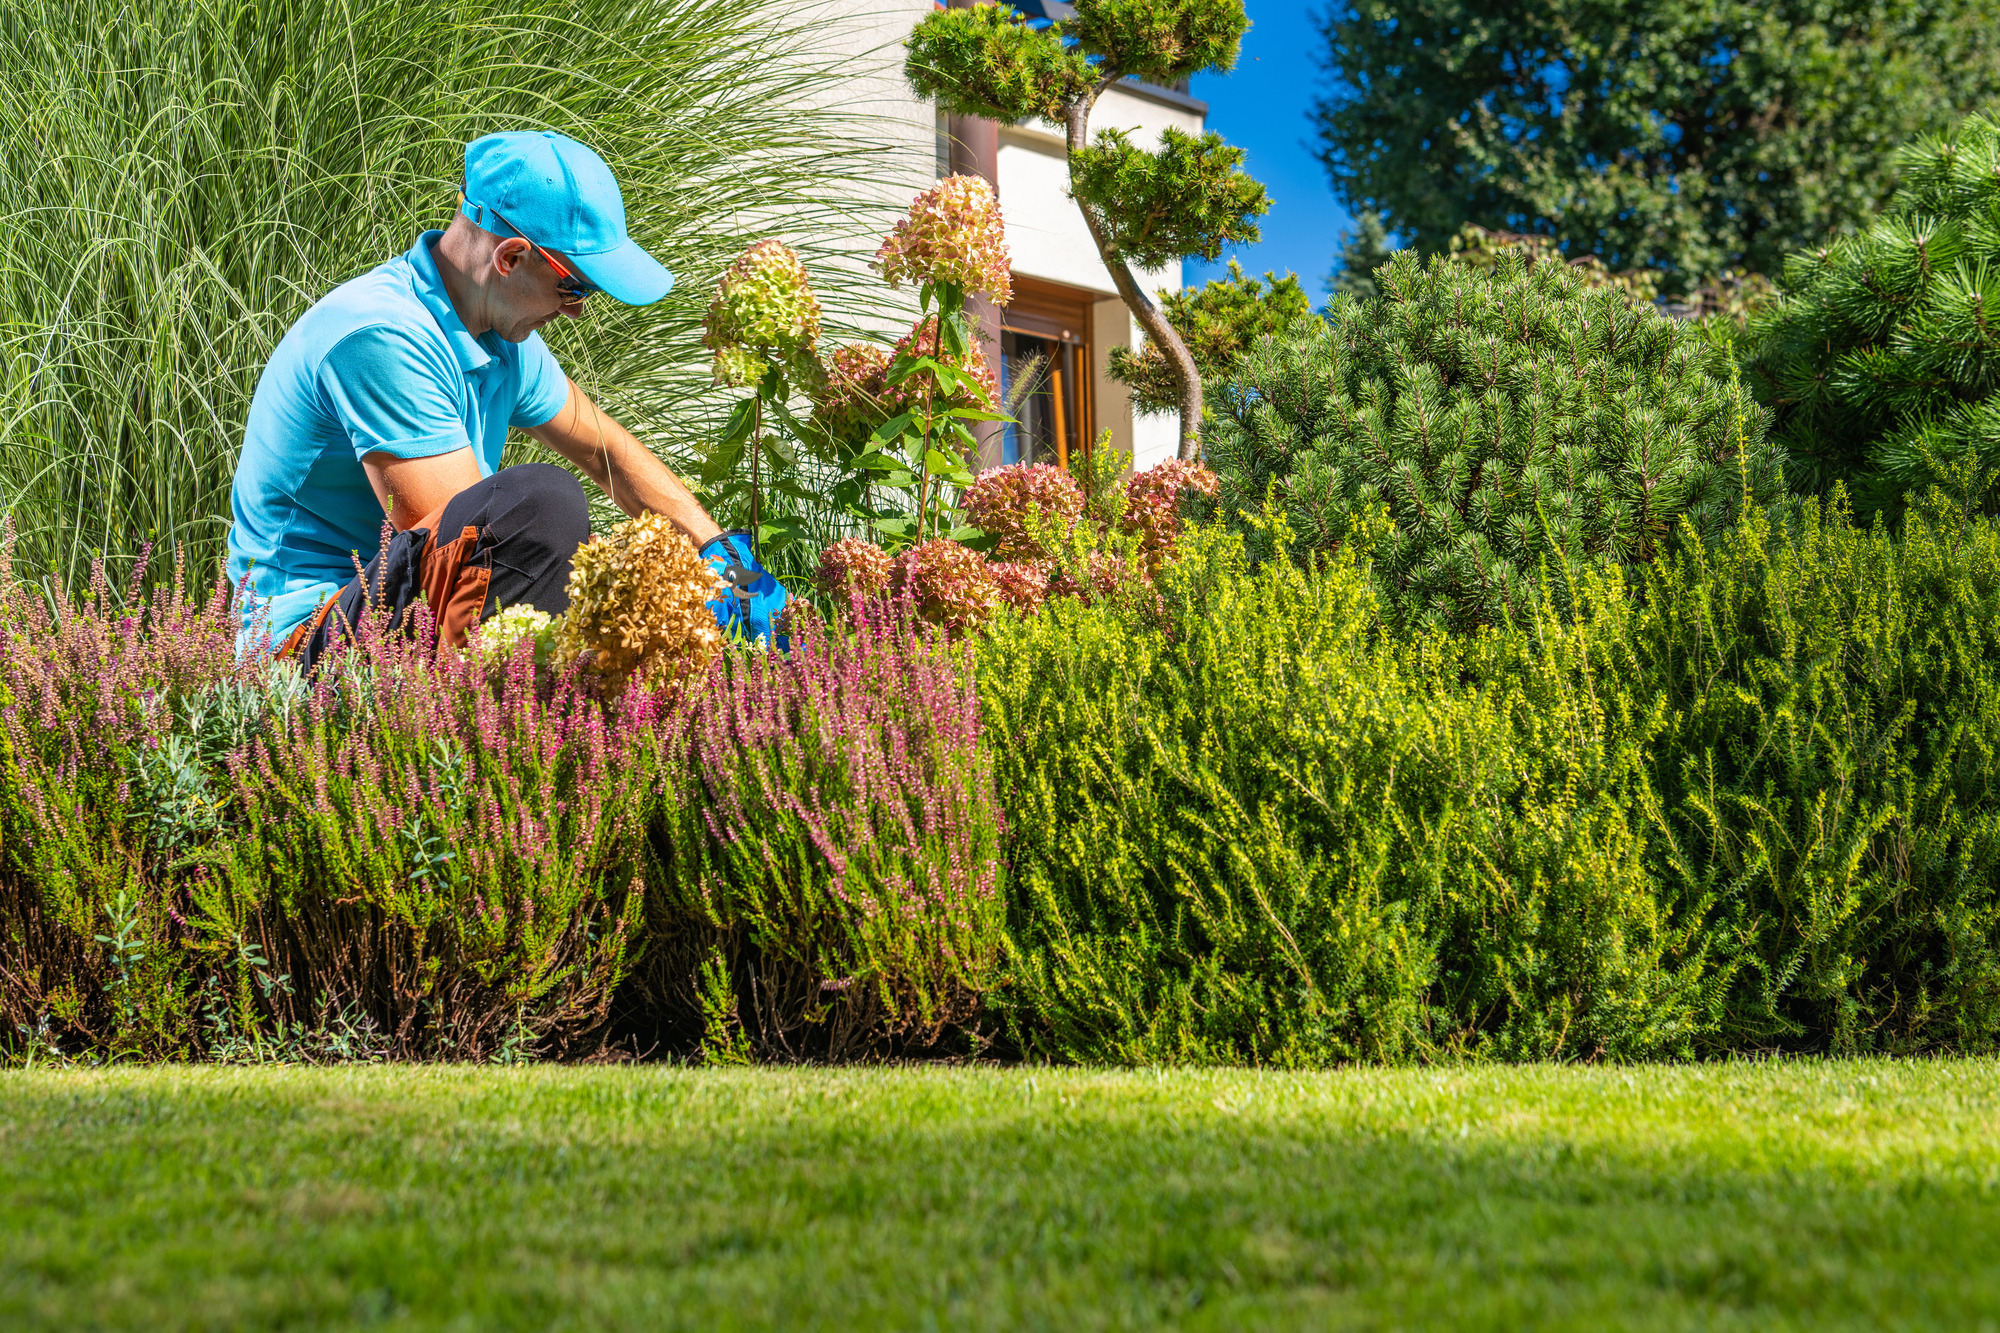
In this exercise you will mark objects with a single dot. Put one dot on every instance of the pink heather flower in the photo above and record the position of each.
(999, 500)
(849, 400)
(1023, 585)
(850, 566)
(1152, 501)
(953, 234)
(919, 341)
(763, 306)
(948, 584)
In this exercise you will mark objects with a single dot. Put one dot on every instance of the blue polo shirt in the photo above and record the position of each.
(382, 364)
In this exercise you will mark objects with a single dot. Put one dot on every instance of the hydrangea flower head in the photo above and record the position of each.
(1022, 584)
(948, 584)
(763, 307)
(1000, 499)
(1152, 502)
(638, 603)
(953, 234)
(493, 640)
(851, 566)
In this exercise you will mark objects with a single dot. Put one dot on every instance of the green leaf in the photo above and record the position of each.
(952, 331)
(782, 532)
(741, 418)
(977, 538)
(974, 414)
(937, 462)
(906, 367)
(892, 428)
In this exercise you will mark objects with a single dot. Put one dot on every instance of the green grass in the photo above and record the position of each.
(1805, 1195)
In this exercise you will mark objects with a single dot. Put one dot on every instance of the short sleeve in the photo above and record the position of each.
(544, 388)
(391, 396)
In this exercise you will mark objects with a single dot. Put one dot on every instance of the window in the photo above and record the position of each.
(1045, 369)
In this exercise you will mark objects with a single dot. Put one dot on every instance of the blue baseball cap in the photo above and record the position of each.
(555, 192)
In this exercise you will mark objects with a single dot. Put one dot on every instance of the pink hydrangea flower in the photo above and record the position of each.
(851, 566)
(999, 500)
(763, 306)
(953, 234)
(1022, 584)
(1152, 501)
(948, 584)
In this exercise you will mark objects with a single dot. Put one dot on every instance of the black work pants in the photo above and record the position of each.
(503, 541)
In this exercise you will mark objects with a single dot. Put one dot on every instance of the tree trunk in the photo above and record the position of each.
(1150, 316)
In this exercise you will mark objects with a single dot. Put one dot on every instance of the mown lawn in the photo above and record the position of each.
(1805, 1195)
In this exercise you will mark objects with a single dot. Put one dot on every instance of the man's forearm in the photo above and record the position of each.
(624, 469)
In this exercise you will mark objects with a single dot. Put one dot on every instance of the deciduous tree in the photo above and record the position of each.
(1687, 136)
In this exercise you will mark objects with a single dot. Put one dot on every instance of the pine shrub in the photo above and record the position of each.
(1518, 426)
(1882, 359)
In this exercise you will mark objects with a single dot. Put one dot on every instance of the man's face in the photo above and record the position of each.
(524, 295)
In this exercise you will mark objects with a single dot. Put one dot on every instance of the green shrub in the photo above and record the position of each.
(1267, 833)
(1828, 779)
(1218, 321)
(1882, 359)
(1517, 425)
(1756, 808)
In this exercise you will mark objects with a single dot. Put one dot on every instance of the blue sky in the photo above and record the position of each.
(1262, 106)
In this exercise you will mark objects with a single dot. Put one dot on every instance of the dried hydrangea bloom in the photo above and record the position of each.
(1152, 502)
(909, 393)
(494, 639)
(999, 501)
(763, 307)
(953, 234)
(948, 584)
(850, 566)
(638, 603)
(1022, 584)
(849, 401)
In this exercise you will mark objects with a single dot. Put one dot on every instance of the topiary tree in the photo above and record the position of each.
(1185, 199)
(1516, 424)
(1217, 323)
(1882, 358)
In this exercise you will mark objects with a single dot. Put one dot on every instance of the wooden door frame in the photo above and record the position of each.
(1062, 314)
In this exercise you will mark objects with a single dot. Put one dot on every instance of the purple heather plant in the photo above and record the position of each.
(203, 854)
(837, 824)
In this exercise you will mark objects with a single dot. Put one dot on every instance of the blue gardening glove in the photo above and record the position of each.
(754, 598)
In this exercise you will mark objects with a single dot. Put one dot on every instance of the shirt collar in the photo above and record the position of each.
(472, 355)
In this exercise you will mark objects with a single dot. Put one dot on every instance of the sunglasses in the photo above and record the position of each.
(570, 285)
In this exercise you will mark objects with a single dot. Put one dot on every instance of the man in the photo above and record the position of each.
(394, 394)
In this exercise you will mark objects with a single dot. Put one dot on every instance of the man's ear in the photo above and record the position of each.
(508, 254)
